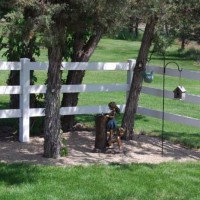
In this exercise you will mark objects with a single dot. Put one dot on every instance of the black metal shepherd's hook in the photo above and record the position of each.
(163, 105)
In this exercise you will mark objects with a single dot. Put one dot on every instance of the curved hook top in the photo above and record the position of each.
(171, 62)
(179, 69)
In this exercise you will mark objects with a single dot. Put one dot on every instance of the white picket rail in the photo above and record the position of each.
(25, 89)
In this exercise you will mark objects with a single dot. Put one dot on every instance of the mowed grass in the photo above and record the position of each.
(110, 50)
(96, 182)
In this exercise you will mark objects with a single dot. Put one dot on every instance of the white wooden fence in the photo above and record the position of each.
(25, 89)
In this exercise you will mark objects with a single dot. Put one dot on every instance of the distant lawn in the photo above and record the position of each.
(110, 50)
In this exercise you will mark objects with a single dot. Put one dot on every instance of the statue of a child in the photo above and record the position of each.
(111, 125)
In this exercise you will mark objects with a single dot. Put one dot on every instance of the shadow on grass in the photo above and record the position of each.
(130, 166)
(15, 174)
(172, 58)
(137, 117)
(4, 105)
(189, 140)
(85, 119)
(90, 119)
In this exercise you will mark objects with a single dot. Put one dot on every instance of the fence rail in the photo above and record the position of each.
(25, 89)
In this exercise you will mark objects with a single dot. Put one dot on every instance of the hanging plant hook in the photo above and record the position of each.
(163, 103)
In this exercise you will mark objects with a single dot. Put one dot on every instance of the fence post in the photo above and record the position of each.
(131, 63)
(24, 122)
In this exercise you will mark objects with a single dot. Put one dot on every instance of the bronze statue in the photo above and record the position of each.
(111, 126)
(116, 137)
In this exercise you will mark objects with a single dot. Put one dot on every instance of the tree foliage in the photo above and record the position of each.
(180, 20)
(6, 6)
(19, 42)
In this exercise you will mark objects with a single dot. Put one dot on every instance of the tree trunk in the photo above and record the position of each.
(182, 42)
(52, 106)
(136, 84)
(166, 28)
(82, 53)
(136, 29)
(52, 126)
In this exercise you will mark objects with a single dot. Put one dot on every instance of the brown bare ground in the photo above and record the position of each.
(80, 144)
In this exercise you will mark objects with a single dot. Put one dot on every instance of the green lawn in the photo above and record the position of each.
(96, 182)
(110, 50)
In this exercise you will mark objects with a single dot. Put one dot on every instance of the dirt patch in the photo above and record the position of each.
(80, 144)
